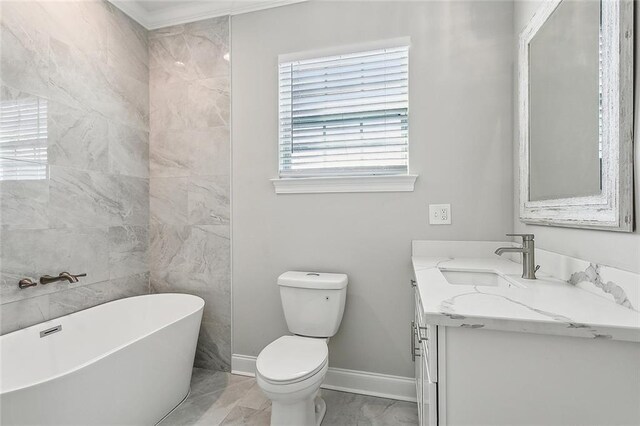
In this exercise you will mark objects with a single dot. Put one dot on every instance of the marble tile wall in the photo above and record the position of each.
(90, 63)
(189, 175)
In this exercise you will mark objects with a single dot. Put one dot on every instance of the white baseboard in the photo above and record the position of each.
(243, 365)
(360, 382)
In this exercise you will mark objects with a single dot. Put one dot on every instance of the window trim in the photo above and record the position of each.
(332, 184)
(345, 49)
(344, 184)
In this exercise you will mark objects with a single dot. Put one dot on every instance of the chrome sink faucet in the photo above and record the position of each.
(529, 267)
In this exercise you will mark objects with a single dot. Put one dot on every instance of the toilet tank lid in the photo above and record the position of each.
(316, 280)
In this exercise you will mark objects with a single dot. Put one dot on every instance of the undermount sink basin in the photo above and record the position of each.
(475, 278)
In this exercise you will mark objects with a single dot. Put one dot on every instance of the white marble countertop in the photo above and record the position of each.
(546, 306)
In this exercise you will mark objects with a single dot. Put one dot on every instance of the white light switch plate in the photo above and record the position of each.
(440, 214)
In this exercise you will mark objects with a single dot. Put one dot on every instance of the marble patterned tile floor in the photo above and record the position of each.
(219, 398)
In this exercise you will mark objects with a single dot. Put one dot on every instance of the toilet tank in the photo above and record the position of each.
(313, 302)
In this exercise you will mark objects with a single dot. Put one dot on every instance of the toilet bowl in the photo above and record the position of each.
(291, 369)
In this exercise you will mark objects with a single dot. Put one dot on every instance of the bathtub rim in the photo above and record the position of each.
(107, 353)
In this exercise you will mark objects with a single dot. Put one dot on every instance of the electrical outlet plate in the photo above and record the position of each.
(440, 214)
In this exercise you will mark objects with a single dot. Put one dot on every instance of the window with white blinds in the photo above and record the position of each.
(23, 139)
(345, 115)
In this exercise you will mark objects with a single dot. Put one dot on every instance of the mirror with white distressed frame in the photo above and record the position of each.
(576, 115)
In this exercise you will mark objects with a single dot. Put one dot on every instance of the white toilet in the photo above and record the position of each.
(291, 369)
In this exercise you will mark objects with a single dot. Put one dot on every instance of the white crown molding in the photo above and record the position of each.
(133, 10)
(360, 382)
(191, 12)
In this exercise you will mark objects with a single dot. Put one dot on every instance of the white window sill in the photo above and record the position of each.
(319, 185)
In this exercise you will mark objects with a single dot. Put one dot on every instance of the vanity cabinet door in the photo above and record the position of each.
(420, 379)
(430, 347)
(419, 370)
(428, 403)
(418, 360)
(423, 400)
(428, 340)
(430, 407)
(424, 354)
(429, 400)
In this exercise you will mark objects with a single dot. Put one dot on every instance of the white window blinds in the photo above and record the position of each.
(23, 139)
(345, 115)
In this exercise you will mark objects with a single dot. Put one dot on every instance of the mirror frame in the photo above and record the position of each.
(613, 208)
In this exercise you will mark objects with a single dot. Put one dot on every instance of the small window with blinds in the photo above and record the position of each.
(23, 139)
(345, 115)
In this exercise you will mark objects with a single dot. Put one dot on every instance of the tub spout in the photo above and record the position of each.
(46, 279)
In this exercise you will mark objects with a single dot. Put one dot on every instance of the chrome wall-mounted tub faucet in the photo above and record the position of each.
(529, 267)
(46, 279)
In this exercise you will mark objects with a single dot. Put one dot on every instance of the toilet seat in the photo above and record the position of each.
(292, 359)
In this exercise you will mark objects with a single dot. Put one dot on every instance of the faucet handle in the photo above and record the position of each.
(525, 237)
(26, 282)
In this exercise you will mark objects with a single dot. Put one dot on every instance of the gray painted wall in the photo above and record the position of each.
(620, 250)
(189, 193)
(89, 61)
(460, 145)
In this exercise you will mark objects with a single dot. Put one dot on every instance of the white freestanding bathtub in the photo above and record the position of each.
(126, 362)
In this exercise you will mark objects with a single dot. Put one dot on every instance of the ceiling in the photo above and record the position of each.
(154, 14)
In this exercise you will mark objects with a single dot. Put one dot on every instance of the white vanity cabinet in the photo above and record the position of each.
(497, 349)
(470, 375)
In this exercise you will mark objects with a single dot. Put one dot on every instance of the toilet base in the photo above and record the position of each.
(307, 413)
(298, 403)
(321, 409)
(303, 413)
